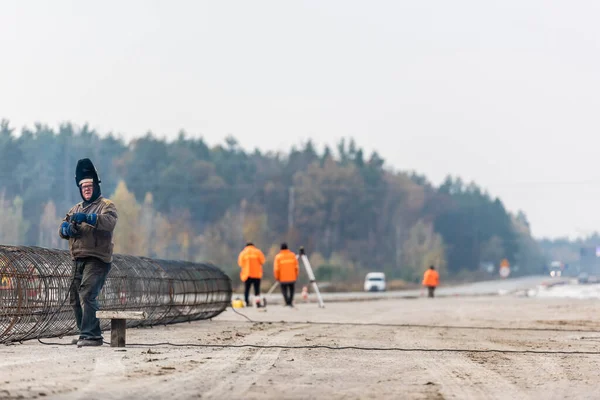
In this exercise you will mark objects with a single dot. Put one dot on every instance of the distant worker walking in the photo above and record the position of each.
(251, 260)
(285, 269)
(431, 280)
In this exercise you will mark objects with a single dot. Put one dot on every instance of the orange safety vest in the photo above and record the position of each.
(251, 261)
(431, 278)
(285, 267)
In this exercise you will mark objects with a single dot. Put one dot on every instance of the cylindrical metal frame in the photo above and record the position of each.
(35, 283)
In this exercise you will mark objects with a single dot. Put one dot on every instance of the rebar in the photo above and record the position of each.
(35, 284)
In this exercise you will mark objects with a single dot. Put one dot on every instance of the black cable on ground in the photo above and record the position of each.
(399, 349)
(243, 315)
(55, 312)
(359, 348)
(54, 343)
(493, 328)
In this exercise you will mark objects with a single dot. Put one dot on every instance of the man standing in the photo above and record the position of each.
(431, 279)
(286, 270)
(251, 260)
(89, 226)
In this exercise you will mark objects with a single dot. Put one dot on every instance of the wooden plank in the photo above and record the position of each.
(117, 332)
(121, 314)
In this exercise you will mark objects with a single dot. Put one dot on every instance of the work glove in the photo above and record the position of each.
(64, 229)
(83, 217)
(69, 230)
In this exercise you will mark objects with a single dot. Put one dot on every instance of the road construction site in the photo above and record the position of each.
(469, 347)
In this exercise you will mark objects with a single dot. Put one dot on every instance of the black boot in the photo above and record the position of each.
(89, 342)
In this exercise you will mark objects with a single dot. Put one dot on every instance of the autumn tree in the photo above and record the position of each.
(14, 226)
(422, 248)
(48, 229)
(128, 237)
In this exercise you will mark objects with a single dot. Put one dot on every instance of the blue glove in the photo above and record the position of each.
(68, 230)
(83, 217)
(64, 229)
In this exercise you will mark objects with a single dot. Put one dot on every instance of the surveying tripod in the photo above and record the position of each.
(301, 256)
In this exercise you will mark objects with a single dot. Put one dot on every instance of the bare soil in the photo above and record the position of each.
(436, 354)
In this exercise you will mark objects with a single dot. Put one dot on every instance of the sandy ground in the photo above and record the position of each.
(446, 331)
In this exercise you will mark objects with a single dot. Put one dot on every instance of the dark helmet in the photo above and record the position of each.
(85, 170)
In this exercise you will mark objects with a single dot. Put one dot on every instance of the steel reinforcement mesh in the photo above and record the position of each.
(35, 282)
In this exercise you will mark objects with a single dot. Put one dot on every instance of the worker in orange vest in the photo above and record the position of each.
(251, 260)
(430, 280)
(285, 269)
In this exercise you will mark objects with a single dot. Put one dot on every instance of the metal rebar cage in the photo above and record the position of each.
(35, 284)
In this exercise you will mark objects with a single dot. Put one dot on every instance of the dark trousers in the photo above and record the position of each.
(89, 277)
(288, 292)
(251, 282)
(430, 290)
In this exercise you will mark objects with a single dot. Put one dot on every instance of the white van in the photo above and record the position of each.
(375, 282)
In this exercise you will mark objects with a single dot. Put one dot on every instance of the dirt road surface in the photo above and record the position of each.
(438, 350)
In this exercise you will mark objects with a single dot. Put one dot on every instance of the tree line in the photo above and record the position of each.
(184, 199)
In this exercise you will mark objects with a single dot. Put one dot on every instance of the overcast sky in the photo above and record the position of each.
(506, 93)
